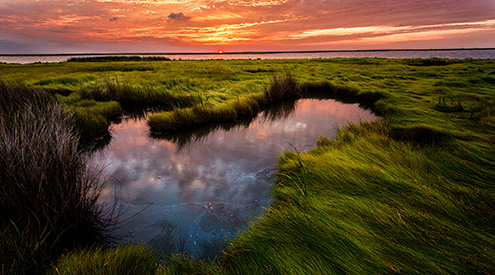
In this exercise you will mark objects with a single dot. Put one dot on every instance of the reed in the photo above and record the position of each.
(47, 192)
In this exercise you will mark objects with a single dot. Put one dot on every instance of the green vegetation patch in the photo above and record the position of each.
(412, 193)
(127, 259)
(434, 61)
(117, 58)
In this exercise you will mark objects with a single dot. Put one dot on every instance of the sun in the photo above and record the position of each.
(220, 51)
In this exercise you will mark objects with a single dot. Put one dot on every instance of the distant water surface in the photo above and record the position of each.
(401, 54)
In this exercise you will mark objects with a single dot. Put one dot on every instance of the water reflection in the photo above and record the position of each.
(194, 190)
(182, 139)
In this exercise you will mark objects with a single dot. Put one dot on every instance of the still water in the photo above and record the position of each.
(454, 54)
(192, 191)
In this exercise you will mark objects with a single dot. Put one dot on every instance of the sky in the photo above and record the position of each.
(168, 26)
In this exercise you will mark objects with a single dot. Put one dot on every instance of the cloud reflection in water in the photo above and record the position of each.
(203, 186)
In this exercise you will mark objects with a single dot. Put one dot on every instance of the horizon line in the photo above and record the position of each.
(244, 52)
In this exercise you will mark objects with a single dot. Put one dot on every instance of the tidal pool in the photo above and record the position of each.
(192, 192)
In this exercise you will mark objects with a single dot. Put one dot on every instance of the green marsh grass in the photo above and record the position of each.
(282, 87)
(187, 118)
(372, 205)
(93, 118)
(124, 259)
(134, 96)
(412, 193)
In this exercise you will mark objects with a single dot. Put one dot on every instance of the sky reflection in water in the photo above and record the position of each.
(195, 190)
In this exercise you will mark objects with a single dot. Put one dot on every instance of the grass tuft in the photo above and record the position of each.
(47, 193)
(282, 87)
(109, 91)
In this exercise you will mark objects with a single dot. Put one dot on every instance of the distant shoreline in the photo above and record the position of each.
(255, 52)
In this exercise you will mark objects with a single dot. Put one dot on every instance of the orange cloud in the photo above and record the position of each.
(218, 17)
(261, 3)
(397, 31)
(221, 34)
(245, 24)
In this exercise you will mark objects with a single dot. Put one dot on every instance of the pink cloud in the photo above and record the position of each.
(249, 25)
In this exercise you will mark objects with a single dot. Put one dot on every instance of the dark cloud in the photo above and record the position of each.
(178, 16)
(114, 19)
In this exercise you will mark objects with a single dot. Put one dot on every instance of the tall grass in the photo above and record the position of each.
(125, 259)
(47, 193)
(106, 92)
(283, 86)
(367, 203)
(181, 119)
(129, 259)
(134, 96)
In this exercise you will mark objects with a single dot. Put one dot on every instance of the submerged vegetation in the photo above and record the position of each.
(412, 193)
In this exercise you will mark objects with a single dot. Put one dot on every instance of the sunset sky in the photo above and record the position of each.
(83, 26)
